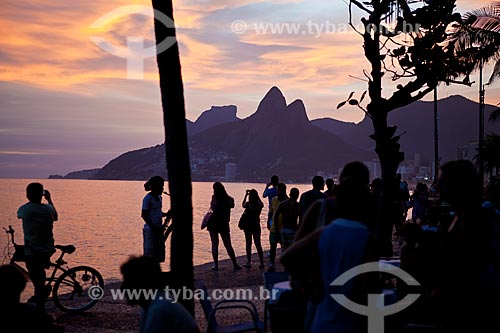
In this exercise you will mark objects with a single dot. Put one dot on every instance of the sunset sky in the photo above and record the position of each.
(66, 104)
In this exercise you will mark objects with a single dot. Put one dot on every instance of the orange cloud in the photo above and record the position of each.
(49, 46)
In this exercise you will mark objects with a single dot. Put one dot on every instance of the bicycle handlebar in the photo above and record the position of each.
(10, 230)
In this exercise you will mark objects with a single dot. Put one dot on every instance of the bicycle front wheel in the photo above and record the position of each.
(75, 289)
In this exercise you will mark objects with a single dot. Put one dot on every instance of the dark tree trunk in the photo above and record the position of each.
(177, 154)
(426, 63)
(390, 156)
(386, 145)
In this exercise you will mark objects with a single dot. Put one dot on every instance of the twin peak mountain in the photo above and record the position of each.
(280, 139)
(276, 139)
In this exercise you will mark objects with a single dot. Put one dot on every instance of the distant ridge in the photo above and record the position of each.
(83, 174)
(458, 124)
(216, 115)
(279, 138)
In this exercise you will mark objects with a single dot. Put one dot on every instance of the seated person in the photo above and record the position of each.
(16, 316)
(160, 314)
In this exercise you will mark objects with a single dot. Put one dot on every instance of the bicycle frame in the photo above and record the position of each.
(56, 266)
(79, 279)
(53, 276)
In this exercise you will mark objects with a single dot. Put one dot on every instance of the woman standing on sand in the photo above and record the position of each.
(218, 223)
(251, 227)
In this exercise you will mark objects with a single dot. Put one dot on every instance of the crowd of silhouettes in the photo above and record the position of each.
(450, 245)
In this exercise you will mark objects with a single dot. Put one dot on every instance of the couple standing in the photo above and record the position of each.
(221, 205)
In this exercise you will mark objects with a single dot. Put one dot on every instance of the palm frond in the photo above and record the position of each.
(489, 23)
(490, 14)
(477, 40)
(483, 23)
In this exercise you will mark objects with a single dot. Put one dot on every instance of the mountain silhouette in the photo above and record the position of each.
(276, 139)
(458, 124)
(216, 115)
(280, 139)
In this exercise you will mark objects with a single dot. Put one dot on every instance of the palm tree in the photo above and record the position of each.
(478, 38)
(477, 42)
(177, 154)
(419, 63)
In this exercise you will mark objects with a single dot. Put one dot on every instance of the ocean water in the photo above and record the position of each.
(102, 219)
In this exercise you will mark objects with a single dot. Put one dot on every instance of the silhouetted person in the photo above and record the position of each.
(376, 188)
(253, 207)
(270, 192)
(319, 258)
(330, 184)
(464, 288)
(289, 211)
(430, 242)
(411, 259)
(420, 203)
(492, 192)
(276, 224)
(38, 220)
(152, 214)
(218, 224)
(16, 316)
(160, 314)
(323, 211)
(307, 198)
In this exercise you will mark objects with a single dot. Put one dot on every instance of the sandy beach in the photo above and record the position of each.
(110, 315)
(116, 316)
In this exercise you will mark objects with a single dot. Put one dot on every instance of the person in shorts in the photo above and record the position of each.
(38, 220)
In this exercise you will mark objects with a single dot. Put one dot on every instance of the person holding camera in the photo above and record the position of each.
(221, 205)
(270, 192)
(251, 225)
(38, 220)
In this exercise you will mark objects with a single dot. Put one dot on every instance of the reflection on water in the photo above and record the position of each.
(102, 219)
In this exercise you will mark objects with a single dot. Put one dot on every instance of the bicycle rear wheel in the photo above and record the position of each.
(71, 290)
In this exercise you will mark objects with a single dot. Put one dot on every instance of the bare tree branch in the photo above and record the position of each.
(468, 84)
(360, 6)
(358, 78)
(350, 20)
(365, 111)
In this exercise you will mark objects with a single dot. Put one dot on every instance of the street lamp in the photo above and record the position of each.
(481, 124)
(436, 136)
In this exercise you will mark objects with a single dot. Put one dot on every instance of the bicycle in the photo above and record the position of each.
(70, 291)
